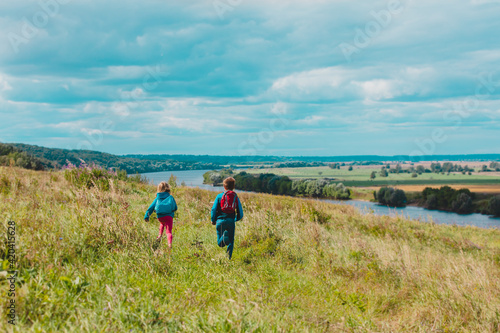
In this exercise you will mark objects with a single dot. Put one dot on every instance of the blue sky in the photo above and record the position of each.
(238, 77)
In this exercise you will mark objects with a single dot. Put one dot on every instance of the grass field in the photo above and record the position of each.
(86, 264)
(360, 176)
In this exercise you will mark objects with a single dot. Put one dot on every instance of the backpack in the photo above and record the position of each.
(229, 202)
(166, 206)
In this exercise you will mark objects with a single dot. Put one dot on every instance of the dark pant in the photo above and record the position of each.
(228, 227)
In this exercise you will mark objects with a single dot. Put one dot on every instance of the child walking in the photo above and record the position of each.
(226, 211)
(165, 207)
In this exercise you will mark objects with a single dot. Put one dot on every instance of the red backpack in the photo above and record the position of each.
(229, 202)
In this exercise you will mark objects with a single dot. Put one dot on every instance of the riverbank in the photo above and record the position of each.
(299, 265)
(364, 204)
(486, 189)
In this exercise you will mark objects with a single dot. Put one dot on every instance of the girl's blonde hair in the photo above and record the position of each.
(163, 187)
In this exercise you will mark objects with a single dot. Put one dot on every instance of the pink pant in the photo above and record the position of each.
(167, 223)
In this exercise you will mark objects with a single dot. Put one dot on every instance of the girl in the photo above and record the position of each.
(165, 207)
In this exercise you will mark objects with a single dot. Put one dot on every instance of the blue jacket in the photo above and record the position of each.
(159, 195)
(218, 216)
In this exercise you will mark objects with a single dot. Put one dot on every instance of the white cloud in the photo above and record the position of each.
(125, 72)
(370, 83)
(326, 83)
(70, 126)
(391, 112)
(265, 59)
(279, 108)
(377, 89)
(310, 120)
(4, 85)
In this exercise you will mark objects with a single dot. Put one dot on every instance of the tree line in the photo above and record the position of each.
(461, 201)
(57, 158)
(282, 185)
(11, 156)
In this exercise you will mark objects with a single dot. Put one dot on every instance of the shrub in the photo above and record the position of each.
(463, 204)
(4, 184)
(172, 181)
(494, 206)
(137, 178)
(336, 191)
(88, 176)
(392, 197)
(432, 202)
(216, 177)
(447, 198)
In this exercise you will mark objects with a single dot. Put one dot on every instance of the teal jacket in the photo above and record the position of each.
(218, 216)
(162, 196)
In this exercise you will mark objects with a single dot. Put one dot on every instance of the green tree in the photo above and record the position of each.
(463, 204)
(398, 168)
(373, 175)
(447, 167)
(432, 202)
(494, 206)
(172, 181)
(350, 168)
(392, 197)
(436, 167)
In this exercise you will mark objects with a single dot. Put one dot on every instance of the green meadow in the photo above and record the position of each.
(360, 176)
(88, 263)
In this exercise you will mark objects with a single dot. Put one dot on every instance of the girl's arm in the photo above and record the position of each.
(150, 210)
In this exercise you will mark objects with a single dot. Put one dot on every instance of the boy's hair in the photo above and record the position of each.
(229, 183)
(163, 187)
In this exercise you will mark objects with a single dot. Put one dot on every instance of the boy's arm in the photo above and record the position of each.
(239, 213)
(150, 210)
(215, 208)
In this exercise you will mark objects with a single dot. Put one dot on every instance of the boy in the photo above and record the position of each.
(225, 212)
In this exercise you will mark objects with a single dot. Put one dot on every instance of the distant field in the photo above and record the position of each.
(360, 176)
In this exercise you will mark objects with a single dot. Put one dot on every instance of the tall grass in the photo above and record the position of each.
(88, 263)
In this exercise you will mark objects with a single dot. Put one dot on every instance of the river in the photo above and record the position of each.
(194, 178)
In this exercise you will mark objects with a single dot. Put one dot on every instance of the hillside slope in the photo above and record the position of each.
(12, 156)
(60, 157)
(86, 263)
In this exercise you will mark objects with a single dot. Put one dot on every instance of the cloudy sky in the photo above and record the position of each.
(239, 77)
